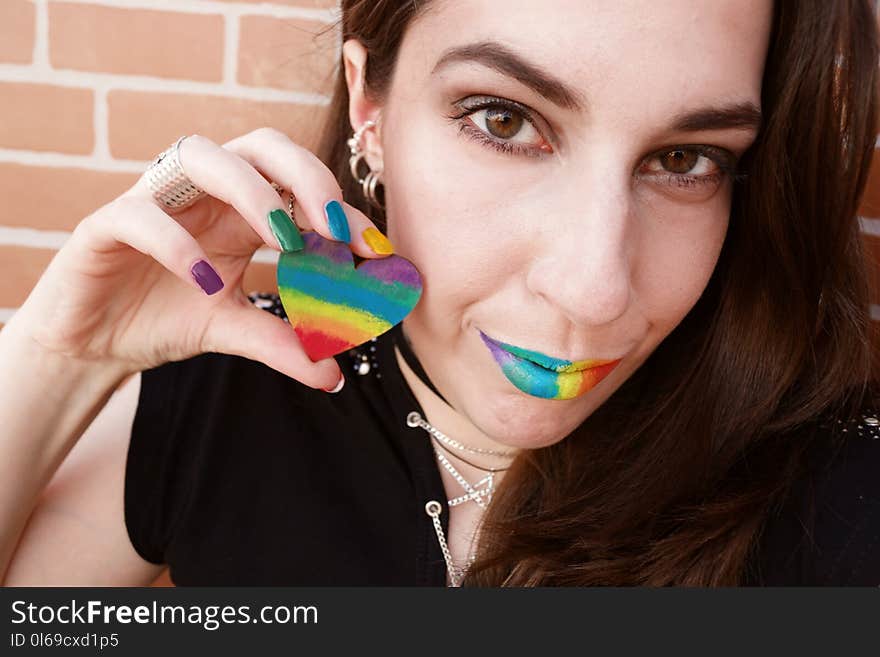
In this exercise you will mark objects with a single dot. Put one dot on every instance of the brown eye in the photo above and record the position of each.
(679, 161)
(503, 123)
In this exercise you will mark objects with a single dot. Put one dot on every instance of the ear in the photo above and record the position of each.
(360, 107)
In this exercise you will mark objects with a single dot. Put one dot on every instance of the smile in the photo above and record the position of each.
(545, 376)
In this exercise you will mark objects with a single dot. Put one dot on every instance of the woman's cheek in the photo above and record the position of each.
(439, 204)
(678, 255)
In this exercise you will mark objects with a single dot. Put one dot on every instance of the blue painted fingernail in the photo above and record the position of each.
(336, 221)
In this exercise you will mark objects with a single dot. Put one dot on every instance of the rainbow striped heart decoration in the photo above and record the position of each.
(334, 306)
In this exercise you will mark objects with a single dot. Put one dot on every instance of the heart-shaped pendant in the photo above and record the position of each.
(334, 306)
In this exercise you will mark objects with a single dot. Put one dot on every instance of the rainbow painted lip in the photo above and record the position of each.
(545, 376)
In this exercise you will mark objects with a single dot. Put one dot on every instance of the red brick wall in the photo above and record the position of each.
(92, 89)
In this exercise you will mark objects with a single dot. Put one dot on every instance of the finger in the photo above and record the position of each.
(367, 240)
(145, 227)
(226, 176)
(242, 329)
(319, 203)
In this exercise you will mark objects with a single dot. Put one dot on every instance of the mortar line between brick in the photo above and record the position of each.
(6, 314)
(100, 116)
(35, 238)
(94, 80)
(226, 8)
(230, 50)
(870, 226)
(41, 36)
(70, 161)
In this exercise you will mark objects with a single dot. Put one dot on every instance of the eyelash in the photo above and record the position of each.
(725, 162)
(505, 147)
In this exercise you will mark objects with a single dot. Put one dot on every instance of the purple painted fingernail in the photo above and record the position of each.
(206, 277)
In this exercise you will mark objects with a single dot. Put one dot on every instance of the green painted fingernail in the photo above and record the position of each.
(285, 231)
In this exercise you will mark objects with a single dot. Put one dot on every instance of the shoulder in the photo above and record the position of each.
(828, 532)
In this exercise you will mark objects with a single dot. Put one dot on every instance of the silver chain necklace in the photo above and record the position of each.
(414, 419)
(481, 496)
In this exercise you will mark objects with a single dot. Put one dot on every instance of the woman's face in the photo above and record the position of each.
(557, 171)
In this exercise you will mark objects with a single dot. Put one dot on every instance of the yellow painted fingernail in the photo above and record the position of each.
(380, 244)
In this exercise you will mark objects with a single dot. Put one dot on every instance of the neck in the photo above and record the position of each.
(447, 419)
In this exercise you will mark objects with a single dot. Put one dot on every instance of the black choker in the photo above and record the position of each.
(406, 351)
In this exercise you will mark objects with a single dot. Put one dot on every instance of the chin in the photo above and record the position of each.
(514, 419)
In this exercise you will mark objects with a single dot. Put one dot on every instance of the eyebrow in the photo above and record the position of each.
(497, 56)
(741, 115)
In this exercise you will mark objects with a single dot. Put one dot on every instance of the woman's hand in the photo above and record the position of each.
(121, 288)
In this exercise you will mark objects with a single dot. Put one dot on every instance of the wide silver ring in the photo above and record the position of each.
(168, 182)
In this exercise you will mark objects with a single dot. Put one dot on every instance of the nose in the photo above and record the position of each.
(583, 255)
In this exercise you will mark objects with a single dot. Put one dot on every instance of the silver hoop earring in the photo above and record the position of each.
(369, 180)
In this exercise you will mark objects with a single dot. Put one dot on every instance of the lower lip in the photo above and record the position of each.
(538, 381)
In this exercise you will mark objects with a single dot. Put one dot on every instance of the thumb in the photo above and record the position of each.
(239, 328)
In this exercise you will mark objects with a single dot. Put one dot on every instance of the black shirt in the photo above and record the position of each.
(238, 475)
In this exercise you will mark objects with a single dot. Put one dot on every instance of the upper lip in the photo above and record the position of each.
(552, 363)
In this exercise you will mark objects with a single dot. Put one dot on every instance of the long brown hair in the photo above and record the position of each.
(671, 480)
